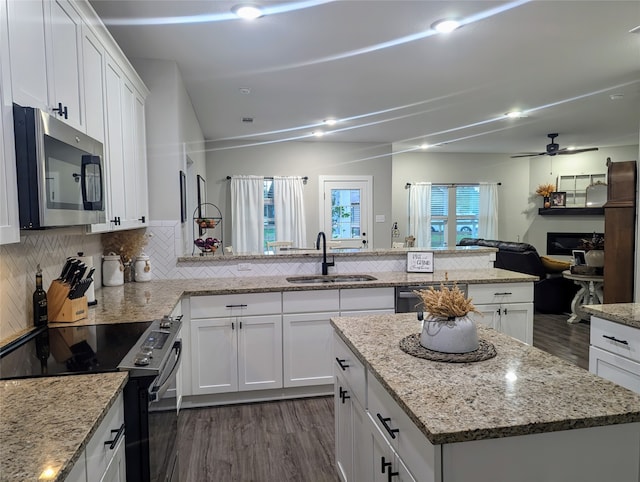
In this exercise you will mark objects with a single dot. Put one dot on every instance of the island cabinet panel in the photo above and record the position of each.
(411, 446)
(384, 463)
(581, 455)
(614, 353)
(351, 369)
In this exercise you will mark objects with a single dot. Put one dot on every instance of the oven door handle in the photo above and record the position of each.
(157, 391)
(407, 295)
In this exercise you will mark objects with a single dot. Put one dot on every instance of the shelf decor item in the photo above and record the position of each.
(558, 199)
(545, 191)
(447, 327)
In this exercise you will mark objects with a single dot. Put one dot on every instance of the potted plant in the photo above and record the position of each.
(447, 327)
(545, 191)
(593, 250)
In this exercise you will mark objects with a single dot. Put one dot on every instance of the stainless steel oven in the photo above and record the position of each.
(408, 301)
(151, 410)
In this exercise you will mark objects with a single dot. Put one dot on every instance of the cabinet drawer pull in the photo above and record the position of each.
(235, 306)
(613, 338)
(504, 293)
(343, 395)
(112, 443)
(383, 421)
(342, 363)
(60, 110)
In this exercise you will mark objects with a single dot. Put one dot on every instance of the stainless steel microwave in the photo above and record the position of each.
(60, 172)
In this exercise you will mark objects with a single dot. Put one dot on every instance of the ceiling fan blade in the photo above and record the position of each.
(576, 151)
(530, 154)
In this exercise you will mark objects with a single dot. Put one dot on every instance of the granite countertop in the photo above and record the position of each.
(623, 313)
(521, 391)
(69, 407)
(147, 301)
(337, 252)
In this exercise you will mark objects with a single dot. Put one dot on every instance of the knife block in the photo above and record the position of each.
(61, 308)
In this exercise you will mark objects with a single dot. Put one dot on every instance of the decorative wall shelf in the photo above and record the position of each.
(571, 211)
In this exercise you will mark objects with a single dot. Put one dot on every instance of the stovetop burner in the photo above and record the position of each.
(70, 350)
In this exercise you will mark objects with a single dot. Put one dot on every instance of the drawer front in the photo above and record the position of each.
(246, 304)
(310, 301)
(99, 454)
(350, 368)
(615, 368)
(617, 338)
(419, 455)
(367, 299)
(501, 293)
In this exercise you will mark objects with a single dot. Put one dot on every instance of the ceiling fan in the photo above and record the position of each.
(554, 149)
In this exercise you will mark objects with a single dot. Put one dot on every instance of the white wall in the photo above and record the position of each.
(546, 169)
(310, 159)
(513, 216)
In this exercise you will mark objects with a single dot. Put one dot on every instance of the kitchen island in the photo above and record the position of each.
(524, 415)
(47, 423)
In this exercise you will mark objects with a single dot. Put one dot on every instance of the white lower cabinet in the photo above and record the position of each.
(103, 459)
(239, 351)
(385, 464)
(614, 353)
(505, 307)
(307, 337)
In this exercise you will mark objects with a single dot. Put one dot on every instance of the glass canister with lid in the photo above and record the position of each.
(112, 270)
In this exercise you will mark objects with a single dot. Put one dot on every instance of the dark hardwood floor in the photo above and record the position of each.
(293, 440)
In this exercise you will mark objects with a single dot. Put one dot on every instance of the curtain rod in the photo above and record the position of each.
(304, 178)
(451, 184)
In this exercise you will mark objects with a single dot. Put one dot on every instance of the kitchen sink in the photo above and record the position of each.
(335, 278)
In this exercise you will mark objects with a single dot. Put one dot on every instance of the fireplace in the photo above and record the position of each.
(564, 243)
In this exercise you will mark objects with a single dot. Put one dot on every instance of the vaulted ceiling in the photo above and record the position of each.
(572, 67)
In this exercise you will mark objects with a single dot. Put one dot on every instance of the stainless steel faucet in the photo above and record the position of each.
(325, 264)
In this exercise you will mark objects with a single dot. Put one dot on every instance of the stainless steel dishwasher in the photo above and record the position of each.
(408, 301)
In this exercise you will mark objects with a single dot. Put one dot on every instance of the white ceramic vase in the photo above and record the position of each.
(457, 335)
(594, 258)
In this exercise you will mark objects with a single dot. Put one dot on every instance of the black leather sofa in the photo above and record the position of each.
(552, 293)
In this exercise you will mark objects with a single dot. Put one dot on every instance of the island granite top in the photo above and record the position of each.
(521, 391)
(46, 422)
(623, 313)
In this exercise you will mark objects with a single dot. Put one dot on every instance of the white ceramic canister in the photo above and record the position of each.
(112, 270)
(142, 268)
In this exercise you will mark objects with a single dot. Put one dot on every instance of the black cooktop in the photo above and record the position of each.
(70, 350)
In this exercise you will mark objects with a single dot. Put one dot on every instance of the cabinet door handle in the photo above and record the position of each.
(61, 111)
(343, 395)
(384, 466)
(112, 443)
(233, 325)
(505, 293)
(504, 311)
(391, 475)
(142, 219)
(383, 421)
(342, 363)
(240, 325)
(613, 338)
(235, 306)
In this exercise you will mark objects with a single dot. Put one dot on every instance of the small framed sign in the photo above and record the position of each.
(420, 262)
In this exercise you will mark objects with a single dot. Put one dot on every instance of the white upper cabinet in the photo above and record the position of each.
(93, 66)
(27, 50)
(46, 50)
(9, 227)
(64, 62)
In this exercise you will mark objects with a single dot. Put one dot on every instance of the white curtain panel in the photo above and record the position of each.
(288, 206)
(247, 213)
(420, 213)
(488, 211)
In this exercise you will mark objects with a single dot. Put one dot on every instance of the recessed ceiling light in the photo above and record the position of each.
(245, 90)
(571, 148)
(247, 11)
(330, 122)
(318, 133)
(445, 25)
(424, 146)
(616, 96)
(516, 114)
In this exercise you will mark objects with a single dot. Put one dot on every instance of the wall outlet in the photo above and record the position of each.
(244, 266)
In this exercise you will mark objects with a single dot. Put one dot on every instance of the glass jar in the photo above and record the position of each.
(112, 270)
(142, 268)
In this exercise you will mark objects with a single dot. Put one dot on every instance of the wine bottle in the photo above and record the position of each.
(39, 301)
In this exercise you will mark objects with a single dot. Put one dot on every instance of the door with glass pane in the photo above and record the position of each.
(345, 211)
(464, 200)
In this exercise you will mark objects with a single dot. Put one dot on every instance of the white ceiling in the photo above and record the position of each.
(559, 60)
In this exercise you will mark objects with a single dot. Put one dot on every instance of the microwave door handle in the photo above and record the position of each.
(91, 205)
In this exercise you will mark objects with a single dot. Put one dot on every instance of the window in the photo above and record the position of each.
(464, 201)
(269, 214)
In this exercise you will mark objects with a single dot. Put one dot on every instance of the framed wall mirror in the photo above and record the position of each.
(596, 195)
